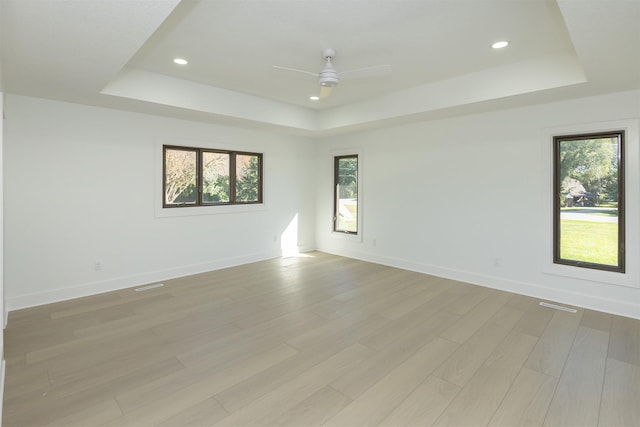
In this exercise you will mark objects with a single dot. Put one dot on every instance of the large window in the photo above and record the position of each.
(589, 201)
(345, 217)
(203, 177)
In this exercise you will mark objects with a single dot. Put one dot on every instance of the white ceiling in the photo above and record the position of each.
(118, 54)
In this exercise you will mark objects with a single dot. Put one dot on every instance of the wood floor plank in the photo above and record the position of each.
(535, 321)
(423, 282)
(318, 339)
(60, 352)
(412, 301)
(85, 304)
(244, 393)
(329, 309)
(596, 320)
(204, 413)
(481, 396)
(179, 401)
(314, 410)
(93, 415)
(554, 345)
(62, 400)
(473, 320)
(417, 318)
(424, 405)
(268, 408)
(472, 298)
(620, 395)
(197, 383)
(139, 322)
(577, 397)
(527, 400)
(464, 363)
(254, 339)
(19, 382)
(378, 401)
(355, 326)
(625, 340)
(373, 368)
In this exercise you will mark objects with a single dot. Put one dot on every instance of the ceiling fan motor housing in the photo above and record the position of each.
(328, 79)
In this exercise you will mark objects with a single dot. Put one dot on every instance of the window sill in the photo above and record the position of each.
(347, 236)
(208, 210)
(592, 275)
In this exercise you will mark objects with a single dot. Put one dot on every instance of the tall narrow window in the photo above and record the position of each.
(345, 217)
(202, 177)
(589, 201)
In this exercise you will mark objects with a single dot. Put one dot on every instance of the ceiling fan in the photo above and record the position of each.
(329, 77)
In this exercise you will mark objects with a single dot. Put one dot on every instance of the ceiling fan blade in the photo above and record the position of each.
(325, 91)
(295, 70)
(375, 70)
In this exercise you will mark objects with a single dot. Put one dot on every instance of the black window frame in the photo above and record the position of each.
(199, 178)
(557, 259)
(336, 176)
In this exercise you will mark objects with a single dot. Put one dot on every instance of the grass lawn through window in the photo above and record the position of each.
(589, 241)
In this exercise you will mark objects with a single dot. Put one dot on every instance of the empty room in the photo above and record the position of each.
(320, 212)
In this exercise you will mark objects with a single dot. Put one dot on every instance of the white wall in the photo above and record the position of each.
(3, 311)
(2, 302)
(80, 187)
(446, 197)
(452, 196)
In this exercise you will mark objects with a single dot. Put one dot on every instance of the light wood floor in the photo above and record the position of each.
(319, 340)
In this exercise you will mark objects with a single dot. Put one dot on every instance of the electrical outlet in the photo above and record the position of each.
(497, 262)
(97, 266)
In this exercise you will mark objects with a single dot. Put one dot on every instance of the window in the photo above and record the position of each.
(203, 177)
(345, 218)
(589, 205)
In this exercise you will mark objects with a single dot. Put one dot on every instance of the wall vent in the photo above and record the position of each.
(558, 307)
(149, 287)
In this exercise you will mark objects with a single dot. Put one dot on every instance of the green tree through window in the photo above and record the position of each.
(589, 200)
(200, 177)
(247, 178)
(345, 218)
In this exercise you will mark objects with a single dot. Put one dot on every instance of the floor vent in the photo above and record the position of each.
(148, 288)
(558, 307)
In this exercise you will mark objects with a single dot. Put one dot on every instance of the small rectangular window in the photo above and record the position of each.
(345, 217)
(589, 201)
(202, 177)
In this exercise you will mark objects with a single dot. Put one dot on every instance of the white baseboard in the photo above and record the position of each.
(114, 284)
(622, 308)
(2, 373)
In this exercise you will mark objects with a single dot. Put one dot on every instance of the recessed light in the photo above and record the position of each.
(500, 44)
(180, 61)
(314, 97)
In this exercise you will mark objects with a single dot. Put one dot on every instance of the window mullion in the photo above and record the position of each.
(232, 177)
(199, 178)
